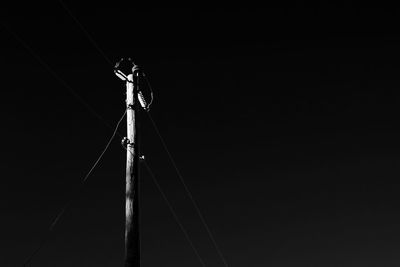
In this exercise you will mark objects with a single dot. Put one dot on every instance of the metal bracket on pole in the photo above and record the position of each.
(125, 142)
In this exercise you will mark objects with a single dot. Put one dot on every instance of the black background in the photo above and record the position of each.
(283, 122)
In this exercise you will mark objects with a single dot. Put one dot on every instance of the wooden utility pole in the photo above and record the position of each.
(132, 241)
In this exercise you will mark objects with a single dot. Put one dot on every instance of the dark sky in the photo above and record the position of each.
(283, 122)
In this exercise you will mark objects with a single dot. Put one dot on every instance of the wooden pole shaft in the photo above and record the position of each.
(132, 241)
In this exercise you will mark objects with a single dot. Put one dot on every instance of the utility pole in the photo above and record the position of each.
(134, 99)
(132, 240)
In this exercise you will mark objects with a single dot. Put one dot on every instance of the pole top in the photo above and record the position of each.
(125, 66)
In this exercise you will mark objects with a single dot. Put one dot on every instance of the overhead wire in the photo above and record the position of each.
(220, 254)
(195, 205)
(159, 134)
(172, 210)
(94, 43)
(89, 108)
(72, 197)
(58, 78)
(151, 173)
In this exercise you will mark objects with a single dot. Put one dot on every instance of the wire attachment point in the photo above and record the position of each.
(137, 72)
(125, 142)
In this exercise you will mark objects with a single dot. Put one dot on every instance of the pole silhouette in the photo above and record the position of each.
(132, 238)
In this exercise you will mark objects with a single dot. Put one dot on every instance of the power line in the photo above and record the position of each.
(188, 191)
(174, 213)
(85, 31)
(55, 75)
(162, 140)
(73, 196)
(172, 210)
(88, 107)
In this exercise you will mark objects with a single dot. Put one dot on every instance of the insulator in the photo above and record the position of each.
(120, 75)
(141, 100)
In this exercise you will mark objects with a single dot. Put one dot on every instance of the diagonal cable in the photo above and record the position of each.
(94, 43)
(174, 213)
(57, 77)
(172, 210)
(162, 140)
(72, 198)
(188, 191)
